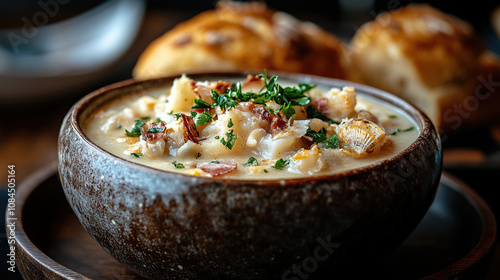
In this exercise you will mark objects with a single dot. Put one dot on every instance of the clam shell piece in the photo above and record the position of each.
(360, 136)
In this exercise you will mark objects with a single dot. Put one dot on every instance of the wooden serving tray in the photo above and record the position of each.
(455, 238)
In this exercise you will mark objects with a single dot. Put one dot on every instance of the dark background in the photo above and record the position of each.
(473, 11)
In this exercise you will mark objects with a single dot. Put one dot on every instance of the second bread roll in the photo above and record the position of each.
(433, 60)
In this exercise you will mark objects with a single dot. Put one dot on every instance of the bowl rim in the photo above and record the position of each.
(425, 126)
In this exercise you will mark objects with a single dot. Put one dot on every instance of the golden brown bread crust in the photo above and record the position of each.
(433, 60)
(243, 36)
(495, 20)
(442, 48)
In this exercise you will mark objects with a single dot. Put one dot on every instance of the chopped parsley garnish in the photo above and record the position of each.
(204, 118)
(393, 116)
(320, 136)
(178, 165)
(156, 130)
(313, 113)
(136, 131)
(285, 97)
(332, 141)
(230, 139)
(200, 104)
(280, 164)
(177, 116)
(230, 123)
(225, 101)
(317, 137)
(136, 154)
(145, 118)
(251, 161)
(214, 161)
(158, 120)
(198, 155)
(404, 130)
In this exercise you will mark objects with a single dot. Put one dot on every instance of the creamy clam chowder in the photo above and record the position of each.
(258, 127)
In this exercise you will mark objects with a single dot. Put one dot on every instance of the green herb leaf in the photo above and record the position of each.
(332, 141)
(204, 118)
(286, 98)
(405, 130)
(319, 136)
(225, 101)
(288, 110)
(198, 155)
(136, 131)
(177, 116)
(200, 104)
(302, 101)
(178, 165)
(136, 154)
(230, 123)
(156, 130)
(313, 113)
(251, 162)
(280, 164)
(230, 139)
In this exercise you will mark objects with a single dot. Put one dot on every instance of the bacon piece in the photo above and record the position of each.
(221, 87)
(321, 105)
(204, 91)
(276, 124)
(191, 132)
(153, 130)
(245, 106)
(262, 112)
(252, 83)
(218, 169)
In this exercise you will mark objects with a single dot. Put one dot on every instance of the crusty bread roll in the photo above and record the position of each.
(495, 20)
(243, 36)
(433, 60)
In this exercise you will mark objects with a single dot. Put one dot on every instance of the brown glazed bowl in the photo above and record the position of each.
(166, 225)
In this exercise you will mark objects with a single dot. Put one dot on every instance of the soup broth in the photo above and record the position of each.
(254, 128)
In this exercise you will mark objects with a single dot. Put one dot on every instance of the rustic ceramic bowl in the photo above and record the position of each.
(166, 225)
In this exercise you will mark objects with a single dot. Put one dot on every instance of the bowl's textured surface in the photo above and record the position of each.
(170, 226)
